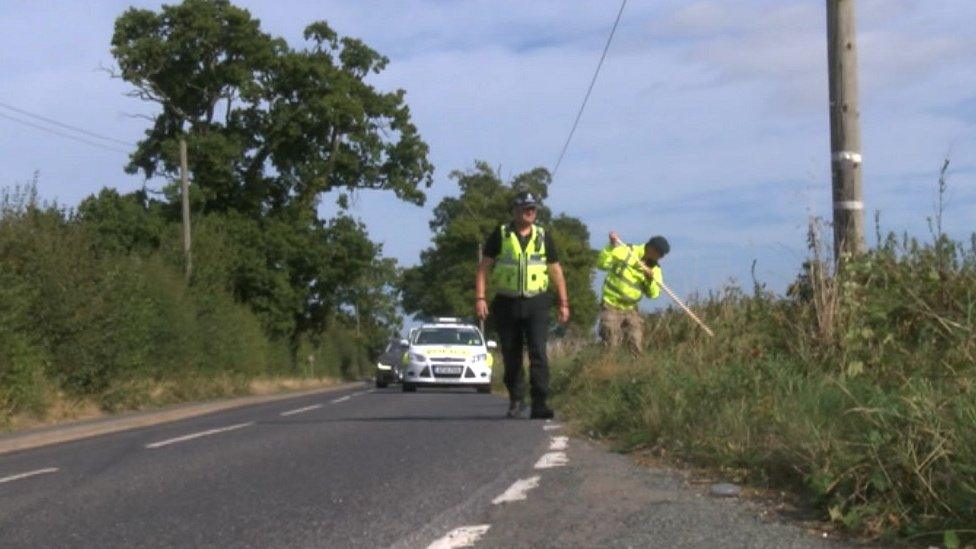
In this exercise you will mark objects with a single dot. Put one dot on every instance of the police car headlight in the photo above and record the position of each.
(483, 357)
(382, 366)
(417, 357)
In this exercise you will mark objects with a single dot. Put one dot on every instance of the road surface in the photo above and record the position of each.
(359, 468)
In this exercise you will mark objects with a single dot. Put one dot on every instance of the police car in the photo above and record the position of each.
(447, 352)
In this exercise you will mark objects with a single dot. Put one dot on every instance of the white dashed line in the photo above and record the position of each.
(465, 536)
(198, 435)
(29, 474)
(552, 426)
(300, 410)
(558, 443)
(517, 491)
(343, 399)
(552, 459)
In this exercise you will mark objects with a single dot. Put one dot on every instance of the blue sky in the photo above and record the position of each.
(708, 124)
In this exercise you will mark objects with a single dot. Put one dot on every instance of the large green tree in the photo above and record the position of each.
(443, 282)
(268, 126)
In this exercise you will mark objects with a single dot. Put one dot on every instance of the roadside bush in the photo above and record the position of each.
(855, 390)
(23, 386)
(92, 311)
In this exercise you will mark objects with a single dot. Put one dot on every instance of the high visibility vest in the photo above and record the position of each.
(521, 273)
(626, 282)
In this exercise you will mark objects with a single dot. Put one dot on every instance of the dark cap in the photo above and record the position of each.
(524, 199)
(660, 244)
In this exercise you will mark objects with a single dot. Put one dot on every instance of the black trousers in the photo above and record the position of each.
(521, 323)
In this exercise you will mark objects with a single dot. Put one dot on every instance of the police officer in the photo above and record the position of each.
(525, 259)
(626, 283)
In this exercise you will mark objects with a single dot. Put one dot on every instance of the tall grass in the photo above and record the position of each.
(855, 390)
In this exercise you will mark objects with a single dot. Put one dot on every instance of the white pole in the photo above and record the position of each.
(684, 307)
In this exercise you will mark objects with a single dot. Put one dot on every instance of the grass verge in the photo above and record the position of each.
(63, 407)
(856, 391)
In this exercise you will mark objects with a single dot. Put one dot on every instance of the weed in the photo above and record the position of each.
(855, 390)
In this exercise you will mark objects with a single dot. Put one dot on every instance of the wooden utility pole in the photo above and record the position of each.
(185, 198)
(845, 129)
(481, 255)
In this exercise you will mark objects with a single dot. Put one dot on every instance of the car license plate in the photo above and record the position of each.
(447, 369)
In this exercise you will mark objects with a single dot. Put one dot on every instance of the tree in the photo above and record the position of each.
(122, 223)
(268, 126)
(371, 303)
(298, 278)
(443, 282)
(578, 261)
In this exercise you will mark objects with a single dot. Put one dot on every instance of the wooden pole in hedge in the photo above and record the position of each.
(185, 199)
(481, 255)
(845, 129)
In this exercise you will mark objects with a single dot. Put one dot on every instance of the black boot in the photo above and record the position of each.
(541, 411)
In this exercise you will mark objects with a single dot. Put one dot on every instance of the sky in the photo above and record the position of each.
(708, 123)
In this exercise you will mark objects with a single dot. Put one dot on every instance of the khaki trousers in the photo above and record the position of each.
(617, 326)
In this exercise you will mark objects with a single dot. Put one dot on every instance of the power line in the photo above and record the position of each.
(589, 90)
(62, 134)
(65, 126)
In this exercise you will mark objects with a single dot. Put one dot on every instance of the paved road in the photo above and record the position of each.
(358, 468)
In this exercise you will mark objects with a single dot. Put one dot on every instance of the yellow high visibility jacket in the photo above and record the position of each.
(521, 273)
(626, 282)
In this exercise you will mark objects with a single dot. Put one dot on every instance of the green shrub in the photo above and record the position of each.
(90, 308)
(856, 390)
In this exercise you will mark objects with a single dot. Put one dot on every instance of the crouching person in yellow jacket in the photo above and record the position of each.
(626, 283)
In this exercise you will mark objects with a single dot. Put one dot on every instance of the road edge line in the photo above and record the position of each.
(70, 433)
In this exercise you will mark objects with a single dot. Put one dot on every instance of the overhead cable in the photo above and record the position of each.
(589, 90)
(65, 126)
(63, 134)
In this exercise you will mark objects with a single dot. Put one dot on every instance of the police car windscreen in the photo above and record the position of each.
(448, 336)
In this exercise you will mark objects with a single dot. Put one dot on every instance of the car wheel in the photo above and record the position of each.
(409, 388)
(486, 390)
(381, 384)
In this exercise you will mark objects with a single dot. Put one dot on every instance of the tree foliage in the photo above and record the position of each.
(268, 126)
(443, 282)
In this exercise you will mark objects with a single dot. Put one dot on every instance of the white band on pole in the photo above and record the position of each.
(848, 205)
(849, 156)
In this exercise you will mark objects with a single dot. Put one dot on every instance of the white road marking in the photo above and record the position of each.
(29, 474)
(300, 410)
(518, 490)
(343, 399)
(559, 443)
(552, 459)
(465, 536)
(552, 426)
(198, 435)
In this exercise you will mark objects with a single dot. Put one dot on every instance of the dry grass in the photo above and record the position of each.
(269, 386)
(144, 395)
(62, 408)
